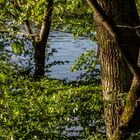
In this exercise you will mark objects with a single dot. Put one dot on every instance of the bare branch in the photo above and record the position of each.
(130, 27)
(126, 26)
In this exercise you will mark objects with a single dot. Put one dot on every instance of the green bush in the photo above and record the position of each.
(32, 109)
(46, 109)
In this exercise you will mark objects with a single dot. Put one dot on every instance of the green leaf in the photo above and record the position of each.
(2, 78)
(17, 47)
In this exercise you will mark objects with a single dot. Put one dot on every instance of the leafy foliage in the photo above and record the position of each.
(17, 47)
(88, 63)
(46, 108)
(72, 16)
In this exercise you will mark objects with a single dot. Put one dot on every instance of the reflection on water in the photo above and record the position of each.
(67, 50)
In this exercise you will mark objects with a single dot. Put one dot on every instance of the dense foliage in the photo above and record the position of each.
(40, 109)
(72, 16)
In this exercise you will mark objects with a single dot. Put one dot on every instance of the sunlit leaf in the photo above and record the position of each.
(2, 78)
(17, 48)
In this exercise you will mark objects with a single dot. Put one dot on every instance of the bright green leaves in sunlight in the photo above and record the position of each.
(46, 108)
(87, 63)
(17, 47)
(73, 16)
(2, 78)
(84, 61)
(33, 11)
(67, 15)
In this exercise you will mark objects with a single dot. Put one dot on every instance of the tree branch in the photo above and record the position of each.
(130, 27)
(29, 30)
(45, 28)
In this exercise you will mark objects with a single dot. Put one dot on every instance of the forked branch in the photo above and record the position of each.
(29, 30)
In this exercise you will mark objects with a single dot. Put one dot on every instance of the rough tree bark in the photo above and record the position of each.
(119, 50)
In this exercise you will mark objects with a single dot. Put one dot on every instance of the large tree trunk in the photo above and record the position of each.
(115, 74)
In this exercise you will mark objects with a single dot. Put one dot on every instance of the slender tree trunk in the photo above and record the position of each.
(115, 74)
(39, 57)
(40, 46)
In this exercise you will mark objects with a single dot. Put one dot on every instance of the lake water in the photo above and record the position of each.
(67, 48)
